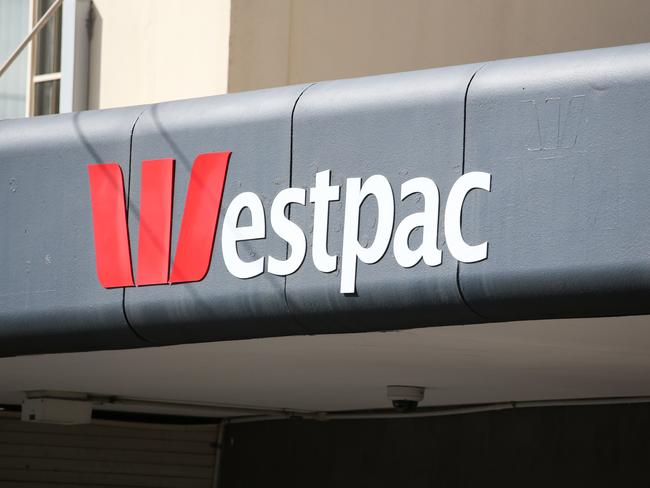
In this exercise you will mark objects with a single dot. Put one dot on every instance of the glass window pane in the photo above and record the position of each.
(14, 24)
(48, 41)
(46, 97)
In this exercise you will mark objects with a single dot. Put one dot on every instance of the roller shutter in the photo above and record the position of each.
(105, 455)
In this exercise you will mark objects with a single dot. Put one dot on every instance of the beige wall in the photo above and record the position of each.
(260, 44)
(276, 42)
(145, 51)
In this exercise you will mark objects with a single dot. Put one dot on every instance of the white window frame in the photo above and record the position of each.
(76, 24)
(32, 78)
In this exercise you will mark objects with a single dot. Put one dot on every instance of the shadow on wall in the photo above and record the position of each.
(95, 24)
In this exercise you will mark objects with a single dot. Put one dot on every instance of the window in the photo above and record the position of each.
(14, 26)
(51, 73)
(45, 69)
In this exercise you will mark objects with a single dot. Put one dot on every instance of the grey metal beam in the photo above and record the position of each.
(50, 299)
(565, 138)
(562, 137)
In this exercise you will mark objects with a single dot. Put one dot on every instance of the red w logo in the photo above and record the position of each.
(196, 239)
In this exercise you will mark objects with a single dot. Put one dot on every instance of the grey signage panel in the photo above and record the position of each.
(256, 128)
(400, 126)
(341, 207)
(50, 297)
(565, 138)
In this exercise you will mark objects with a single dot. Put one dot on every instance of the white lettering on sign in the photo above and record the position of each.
(427, 220)
(232, 234)
(357, 192)
(288, 231)
(379, 187)
(321, 196)
(457, 246)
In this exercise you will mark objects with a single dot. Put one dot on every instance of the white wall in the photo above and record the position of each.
(145, 51)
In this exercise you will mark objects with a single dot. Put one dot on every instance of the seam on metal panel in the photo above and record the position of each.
(293, 110)
(458, 284)
(128, 201)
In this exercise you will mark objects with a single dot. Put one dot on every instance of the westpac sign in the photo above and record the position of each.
(201, 214)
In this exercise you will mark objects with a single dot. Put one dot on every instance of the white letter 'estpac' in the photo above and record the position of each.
(457, 246)
(288, 231)
(231, 235)
(428, 220)
(321, 195)
(378, 186)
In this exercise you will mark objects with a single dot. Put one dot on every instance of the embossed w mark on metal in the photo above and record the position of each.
(553, 123)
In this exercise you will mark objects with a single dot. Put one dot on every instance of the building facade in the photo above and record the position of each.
(151, 51)
(420, 278)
